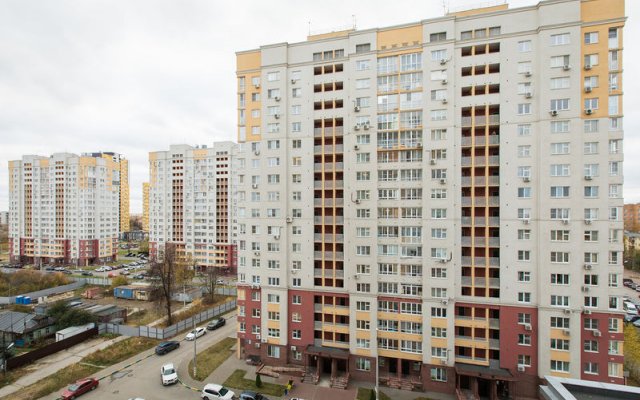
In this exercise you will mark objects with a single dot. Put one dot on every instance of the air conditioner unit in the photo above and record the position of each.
(445, 301)
(588, 267)
(257, 336)
(587, 67)
(255, 186)
(356, 108)
(294, 348)
(567, 311)
(256, 253)
(257, 86)
(528, 327)
(443, 181)
(588, 111)
(357, 201)
(432, 161)
(553, 113)
(444, 101)
(356, 147)
(289, 220)
(277, 98)
(419, 145)
(257, 345)
(442, 260)
(587, 89)
(443, 61)
(566, 332)
(587, 312)
(276, 237)
(263, 340)
(528, 74)
(597, 333)
(366, 126)
(565, 221)
(257, 152)
(588, 177)
(528, 95)
(585, 289)
(356, 127)
(294, 271)
(276, 116)
(526, 221)
(566, 67)
(587, 222)
(526, 179)
(356, 277)
(444, 81)
(293, 80)
(521, 368)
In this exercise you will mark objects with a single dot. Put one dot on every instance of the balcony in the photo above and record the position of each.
(328, 220)
(329, 149)
(480, 261)
(328, 167)
(481, 241)
(480, 201)
(480, 120)
(328, 237)
(328, 202)
(319, 132)
(328, 255)
(328, 273)
(480, 181)
(480, 282)
(338, 184)
(480, 140)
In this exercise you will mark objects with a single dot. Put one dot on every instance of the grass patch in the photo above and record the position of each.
(143, 317)
(211, 358)
(365, 394)
(113, 354)
(196, 308)
(238, 381)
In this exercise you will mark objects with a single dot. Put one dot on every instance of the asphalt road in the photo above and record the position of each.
(143, 378)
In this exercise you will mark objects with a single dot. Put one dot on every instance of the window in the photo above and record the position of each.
(591, 192)
(560, 83)
(560, 148)
(363, 364)
(524, 67)
(363, 65)
(559, 104)
(524, 234)
(559, 126)
(524, 297)
(560, 322)
(437, 55)
(524, 192)
(363, 48)
(590, 37)
(591, 368)
(524, 276)
(296, 92)
(559, 235)
(559, 366)
(591, 346)
(591, 60)
(273, 351)
(439, 374)
(524, 255)
(559, 301)
(559, 39)
(559, 344)
(559, 257)
(364, 83)
(438, 37)
(591, 104)
(363, 287)
(524, 108)
(524, 151)
(524, 360)
(559, 192)
(559, 61)
(273, 76)
(591, 126)
(524, 130)
(559, 170)
(524, 46)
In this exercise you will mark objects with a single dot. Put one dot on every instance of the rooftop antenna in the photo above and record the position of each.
(444, 6)
(353, 16)
(309, 28)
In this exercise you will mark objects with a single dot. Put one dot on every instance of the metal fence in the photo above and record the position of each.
(170, 331)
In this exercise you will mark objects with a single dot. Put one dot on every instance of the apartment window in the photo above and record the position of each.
(560, 170)
(590, 37)
(524, 46)
(590, 236)
(559, 257)
(524, 192)
(559, 61)
(524, 297)
(591, 192)
(439, 374)
(560, 235)
(273, 76)
(559, 366)
(524, 234)
(590, 82)
(524, 276)
(363, 48)
(524, 67)
(524, 255)
(559, 344)
(296, 299)
(524, 108)
(438, 115)
(524, 213)
(591, 104)
(438, 37)
(296, 92)
(560, 148)
(590, 147)
(559, 192)
(591, 126)
(559, 126)
(362, 158)
(590, 346)
(364, 83)
(273, 351)
(363, 364)
(559, 104)
(559, 322)
(559, 301)
(559, 279)
(438, 312)
(524, 360)
(591, 368)
(591, 60)
(524, 340)
(524, 151)
(560, 83)
(363, 65)
(559, 39)
(524, 130)
(437, 55)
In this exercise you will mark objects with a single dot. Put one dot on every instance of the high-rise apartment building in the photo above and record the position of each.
(439, 203)
(189, 204)
(123, 194)
(145, 206)
(66, 208)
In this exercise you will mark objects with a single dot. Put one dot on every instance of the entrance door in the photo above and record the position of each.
(393, 366)
(406, 367)
(465, 382)
(484, 388)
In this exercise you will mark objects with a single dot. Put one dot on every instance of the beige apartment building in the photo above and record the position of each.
(67, 208)
(145, 206)
(189, 204)
(438, 204)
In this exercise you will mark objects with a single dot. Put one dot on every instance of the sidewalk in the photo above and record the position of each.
(51, 364)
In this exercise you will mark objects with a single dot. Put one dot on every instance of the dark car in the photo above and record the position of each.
(165, 347)
(250, 395)
(79, 388)
(216, 323)
(87, 273)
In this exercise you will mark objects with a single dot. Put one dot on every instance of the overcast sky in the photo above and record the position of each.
(137, 76)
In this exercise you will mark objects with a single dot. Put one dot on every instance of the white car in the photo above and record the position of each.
(168, 374)
(213, 391)
(196, 333)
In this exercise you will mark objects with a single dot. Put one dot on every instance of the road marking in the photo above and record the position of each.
(187, 386)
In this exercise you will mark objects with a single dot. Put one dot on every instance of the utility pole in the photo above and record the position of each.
(195, 339)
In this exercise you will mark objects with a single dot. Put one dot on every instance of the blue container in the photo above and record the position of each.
(19, 299)
(26, 300)
(123, 293)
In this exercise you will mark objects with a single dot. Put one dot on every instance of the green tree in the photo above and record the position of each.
(258, 381)
(372, 395)
(66, 316)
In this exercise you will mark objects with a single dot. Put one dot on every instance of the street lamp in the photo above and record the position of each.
(195, 339)
(377, 359)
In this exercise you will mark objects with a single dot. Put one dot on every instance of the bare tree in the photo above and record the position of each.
(163, 275)
(210, 277)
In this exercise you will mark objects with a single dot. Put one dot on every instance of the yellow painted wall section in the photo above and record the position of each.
(330, 35)
(560, 355)
(399, 37)
(145, 206)
(599, 10)
(200, 154)
(399, 354)
(363, 352)
(124, 196)
(248, 61)
(273, 307)
(438, 342)
(556, 333)
(478, 11)
(241, 294)
(439, 322)
(252, 105)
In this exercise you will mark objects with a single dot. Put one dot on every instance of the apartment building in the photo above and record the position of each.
(632, 217)
(145, 206)
(66, 208)
(438, 204)
(189, 204)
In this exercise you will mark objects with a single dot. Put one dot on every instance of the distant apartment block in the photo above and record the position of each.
(189, 204)
(66, 208)
(4, 217)
(437, 203)
(632, 217)
(145, 206)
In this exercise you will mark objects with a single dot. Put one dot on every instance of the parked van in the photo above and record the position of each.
(630, 308)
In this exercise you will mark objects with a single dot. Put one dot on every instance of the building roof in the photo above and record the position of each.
(577, 389)
(18, 322)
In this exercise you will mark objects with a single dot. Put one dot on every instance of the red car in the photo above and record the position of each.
(79, 388)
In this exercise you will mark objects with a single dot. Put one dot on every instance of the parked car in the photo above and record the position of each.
(216, 323)
(627, 281)
(219, 282)
(165, 347)
(87, 273)
(168, 374)
(79, 388)
(629, 318)
(213, 391)
(196, 333)
(251, 395)
(630, 308)
(636, 323)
